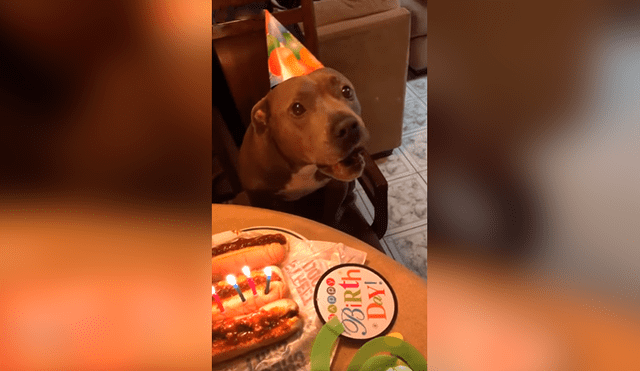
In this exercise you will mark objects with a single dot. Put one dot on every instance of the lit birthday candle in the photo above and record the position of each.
(267, 271)
(217, 299)
(247, 273)
(231, 280)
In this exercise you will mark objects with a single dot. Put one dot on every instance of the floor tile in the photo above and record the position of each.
(414, 147)
(395, 166)
(407, 203)
(406, 172)
(419, 86)
(410, 249)
(359, 188)
(415, 113)
(387, 251)
(423, 174)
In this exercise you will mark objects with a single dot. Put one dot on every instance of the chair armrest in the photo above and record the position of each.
(376, 187)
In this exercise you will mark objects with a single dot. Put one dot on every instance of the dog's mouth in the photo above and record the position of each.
(354, 157)
(347, 169)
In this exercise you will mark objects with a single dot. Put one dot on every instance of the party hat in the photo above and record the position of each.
(287, 56)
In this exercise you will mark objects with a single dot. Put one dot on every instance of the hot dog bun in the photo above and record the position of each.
(236, 336)
(256, 252)
(233, 305)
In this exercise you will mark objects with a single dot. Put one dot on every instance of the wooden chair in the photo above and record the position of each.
(240, 55)
(303, 14)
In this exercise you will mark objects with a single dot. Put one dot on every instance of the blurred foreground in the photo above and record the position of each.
(105, 185)
(534, 171)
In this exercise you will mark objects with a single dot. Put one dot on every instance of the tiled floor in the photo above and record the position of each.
(406, 173)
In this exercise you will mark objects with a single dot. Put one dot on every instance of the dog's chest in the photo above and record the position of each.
(302, 183)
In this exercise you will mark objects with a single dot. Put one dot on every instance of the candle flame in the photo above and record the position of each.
(246, 271)
(267, 271)
(213, 290)
(231, 280)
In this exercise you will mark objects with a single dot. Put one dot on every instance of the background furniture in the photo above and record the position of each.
(240, 81)
(418, 49)
(368, 42)
(410, 289)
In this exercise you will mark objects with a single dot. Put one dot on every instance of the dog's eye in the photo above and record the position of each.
(347, 92)
(298, 109)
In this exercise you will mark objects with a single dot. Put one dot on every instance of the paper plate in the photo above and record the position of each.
(268, 229)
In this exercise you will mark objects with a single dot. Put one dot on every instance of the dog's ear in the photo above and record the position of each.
(260, 115)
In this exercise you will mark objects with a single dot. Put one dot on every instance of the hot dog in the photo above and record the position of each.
(274, 322)
(233, 305)
(229, 258)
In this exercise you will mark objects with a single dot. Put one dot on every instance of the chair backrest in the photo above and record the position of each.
(241, 47)
(240, 52)
(303, 14)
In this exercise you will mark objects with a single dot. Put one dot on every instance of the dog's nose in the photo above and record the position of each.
(347, 130)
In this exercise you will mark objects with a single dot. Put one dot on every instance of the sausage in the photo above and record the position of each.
(274, 322)
(255, 252)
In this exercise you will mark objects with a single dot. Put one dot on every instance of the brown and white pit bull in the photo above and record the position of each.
(306, 135)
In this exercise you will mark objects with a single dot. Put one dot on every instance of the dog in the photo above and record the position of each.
(306, 135)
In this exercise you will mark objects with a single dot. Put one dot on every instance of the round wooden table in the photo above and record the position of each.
(411, 289)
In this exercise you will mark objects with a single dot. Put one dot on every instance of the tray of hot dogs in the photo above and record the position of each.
(263, 317)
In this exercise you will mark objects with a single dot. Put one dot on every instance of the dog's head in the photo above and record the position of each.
(315, 119)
